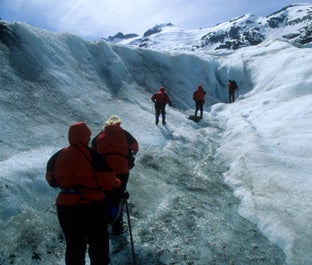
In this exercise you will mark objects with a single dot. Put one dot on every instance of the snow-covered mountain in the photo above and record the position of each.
(292, 23)
(235, 188)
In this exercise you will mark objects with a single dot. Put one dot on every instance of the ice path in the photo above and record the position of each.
(181, 211)
(191, 217)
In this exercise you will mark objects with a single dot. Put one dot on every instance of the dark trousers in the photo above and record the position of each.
(199, 106)
(231, 97)
(85, 226)
(160, 109)
(114, 198)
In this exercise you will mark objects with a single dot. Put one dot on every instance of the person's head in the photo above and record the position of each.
(200, 87)
(113, 120)
(162, 89)
(79, 133)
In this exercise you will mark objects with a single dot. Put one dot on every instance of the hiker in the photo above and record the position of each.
(161, 99)
(199, 98)
(232, 87)
(116, 144)
(82, 175)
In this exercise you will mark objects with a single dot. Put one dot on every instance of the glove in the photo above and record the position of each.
(117, 183)
(126, 195)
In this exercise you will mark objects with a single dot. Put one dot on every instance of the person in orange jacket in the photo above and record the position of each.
(199, 98)
(82, 175)
(161, 99)
(115, 144)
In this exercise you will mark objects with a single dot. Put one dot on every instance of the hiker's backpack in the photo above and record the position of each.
(161, 97)
(50, 170)
(234, 85)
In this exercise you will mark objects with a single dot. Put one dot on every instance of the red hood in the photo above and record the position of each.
(112, 128)
(79, 133)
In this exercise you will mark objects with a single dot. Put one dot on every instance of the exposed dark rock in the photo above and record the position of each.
(156, 29)
(275, 22)
(121, 36)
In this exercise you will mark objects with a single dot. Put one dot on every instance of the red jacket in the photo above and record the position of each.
(232, 86)
(79, 171)
(199, 94)
(161, 98)
(115, 144)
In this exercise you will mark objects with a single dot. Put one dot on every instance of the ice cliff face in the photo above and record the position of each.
(292, 23)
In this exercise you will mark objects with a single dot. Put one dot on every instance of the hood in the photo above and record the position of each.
(112, 128)
(79, 133)
(113, 120)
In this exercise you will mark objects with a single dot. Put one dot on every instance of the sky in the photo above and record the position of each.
(94, 19)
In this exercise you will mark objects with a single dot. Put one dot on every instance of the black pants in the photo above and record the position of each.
(199, 106)
(160, 109)
(85, 225)
(114, 198)
(231, 97)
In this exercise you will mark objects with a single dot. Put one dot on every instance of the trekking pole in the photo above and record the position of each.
(130, 232)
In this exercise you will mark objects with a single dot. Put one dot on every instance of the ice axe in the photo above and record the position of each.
(130, 229)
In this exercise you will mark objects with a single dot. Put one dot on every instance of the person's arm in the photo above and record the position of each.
(132, 142)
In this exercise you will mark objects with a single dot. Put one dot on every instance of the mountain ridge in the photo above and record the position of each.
(292, 23)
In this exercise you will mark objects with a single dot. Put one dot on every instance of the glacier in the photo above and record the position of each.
(235, 188)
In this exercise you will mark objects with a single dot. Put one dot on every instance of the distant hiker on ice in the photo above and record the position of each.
(82, 176)
(161, 99)
(232, 87)
(199, 98)
(118, 146)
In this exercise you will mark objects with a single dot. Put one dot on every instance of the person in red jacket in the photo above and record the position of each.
(161, 99)
(82, 175)
(115, 144)
(232, 87)
(199, 98)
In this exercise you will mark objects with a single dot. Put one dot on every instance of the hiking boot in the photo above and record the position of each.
(119, 228)
(163, 123)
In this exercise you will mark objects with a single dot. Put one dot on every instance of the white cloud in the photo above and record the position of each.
(99, 18)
